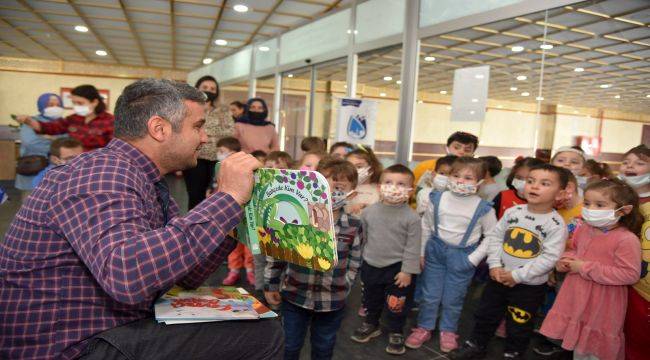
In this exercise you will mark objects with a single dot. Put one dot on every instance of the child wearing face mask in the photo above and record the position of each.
(516, 182)
(369, 169)
(390, 258)
(635, 171)
(310, 160)
(434, 181)
(605, 259)
(451, 229)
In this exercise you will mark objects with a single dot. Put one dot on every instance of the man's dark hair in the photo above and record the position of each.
(229, 143)
(463, 138)
(90, 93)
(562, 174)
(205, 78)
(445, 160)
(399, 169)
(150, 97)
(68, 143)
(493, 164)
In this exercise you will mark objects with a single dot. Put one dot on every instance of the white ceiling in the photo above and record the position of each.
(176, 34)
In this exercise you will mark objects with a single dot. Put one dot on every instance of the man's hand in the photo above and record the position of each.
(236, 176)
(273, 297)
(495, 274)
(507, 279)
(402, 279)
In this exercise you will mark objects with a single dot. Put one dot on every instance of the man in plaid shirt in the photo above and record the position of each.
(314, 297)
(100, 239)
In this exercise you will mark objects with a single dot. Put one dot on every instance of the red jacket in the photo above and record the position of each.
(95, 134)
(506, 200)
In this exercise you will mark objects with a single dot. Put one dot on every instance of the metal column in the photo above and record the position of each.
(252, 81)
(312, 98)
(353, 58)
(409, 77)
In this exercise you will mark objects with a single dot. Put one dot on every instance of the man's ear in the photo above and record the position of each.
(158, 128)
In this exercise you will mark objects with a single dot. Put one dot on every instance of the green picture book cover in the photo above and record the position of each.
(289, 218)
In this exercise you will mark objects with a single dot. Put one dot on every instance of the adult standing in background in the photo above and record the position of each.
(49, 109)
(91, 124)
(218, 124)
(254, 131)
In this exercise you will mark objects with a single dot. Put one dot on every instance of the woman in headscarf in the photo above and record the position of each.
(254, 131)
(91, 124)
(49, 109)
(218, 124)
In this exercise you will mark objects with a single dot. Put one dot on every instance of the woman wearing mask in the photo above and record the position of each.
(254, 131)
(218, 125)
(49, 109)
(90, 123)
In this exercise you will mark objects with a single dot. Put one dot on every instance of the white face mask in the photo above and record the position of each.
(53, 112)
(463, 189)
(394, 194)
(636, 181)
(600, 218)
(440, 182)
(519, 185)
(364, 174)
(222, 156)
(82, 110)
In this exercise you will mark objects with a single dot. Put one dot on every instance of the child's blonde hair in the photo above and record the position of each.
(622, 194)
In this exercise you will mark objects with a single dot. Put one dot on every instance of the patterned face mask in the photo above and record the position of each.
(394, 194)
(364, 174)
(440, 182)
(339, 199)
(463, 189)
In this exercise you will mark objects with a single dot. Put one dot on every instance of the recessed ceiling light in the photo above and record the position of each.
(448, 107)
(240, 8)
(560, 105)
(579, 69)
(420, 102)
(443, 92)
(499, 106)
(382, 94)
(207, 61)
(264, 48)
(525, 93)
(81, 28)
(290, 75)
(617, 96)
(474, 100)
(517, 49)
(479, 76)
(429, 58)
(388, 78)
(522, 77)
(546, 46)
(472, 112)
(398, 82)
(575, 111)
(605, 86)
(539, 98)
(221, 42)
(648, 96)
(513, 88)
(101, 52)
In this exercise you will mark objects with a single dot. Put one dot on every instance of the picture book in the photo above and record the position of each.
(180, 306)
(290, 217)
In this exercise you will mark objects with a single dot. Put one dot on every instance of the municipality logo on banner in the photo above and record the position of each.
(356, 121)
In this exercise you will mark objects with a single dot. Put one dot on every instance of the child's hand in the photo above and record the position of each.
(273, 297)
(495, 274)
(402, 279)
(421, 262)
(552, 281)
(357, 208)
(507, 279)
(563, 265)
(575, 265)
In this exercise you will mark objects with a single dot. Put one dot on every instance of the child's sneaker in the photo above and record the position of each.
(418, 337)
(232, 278)
(395, 344)
(513, 355)
(365, 332)
(448, 341)
(362, 311)
(548, 349)
(250, 276)
(469, 351)
(501, 330)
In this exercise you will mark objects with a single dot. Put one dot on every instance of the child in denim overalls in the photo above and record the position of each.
(451, 229)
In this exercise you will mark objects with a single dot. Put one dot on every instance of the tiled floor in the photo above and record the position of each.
(346, 349)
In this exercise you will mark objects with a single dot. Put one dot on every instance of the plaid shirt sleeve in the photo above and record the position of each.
(57, 127)
(272, 274)
(106, 224)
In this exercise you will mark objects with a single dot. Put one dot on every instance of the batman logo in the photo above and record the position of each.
(521, 243)
(518, 315)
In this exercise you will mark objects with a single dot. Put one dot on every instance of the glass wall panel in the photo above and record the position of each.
(317, 38)
(436, 11)
(266, 54)
(379, 18)
(330, 87)
(294, 112)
